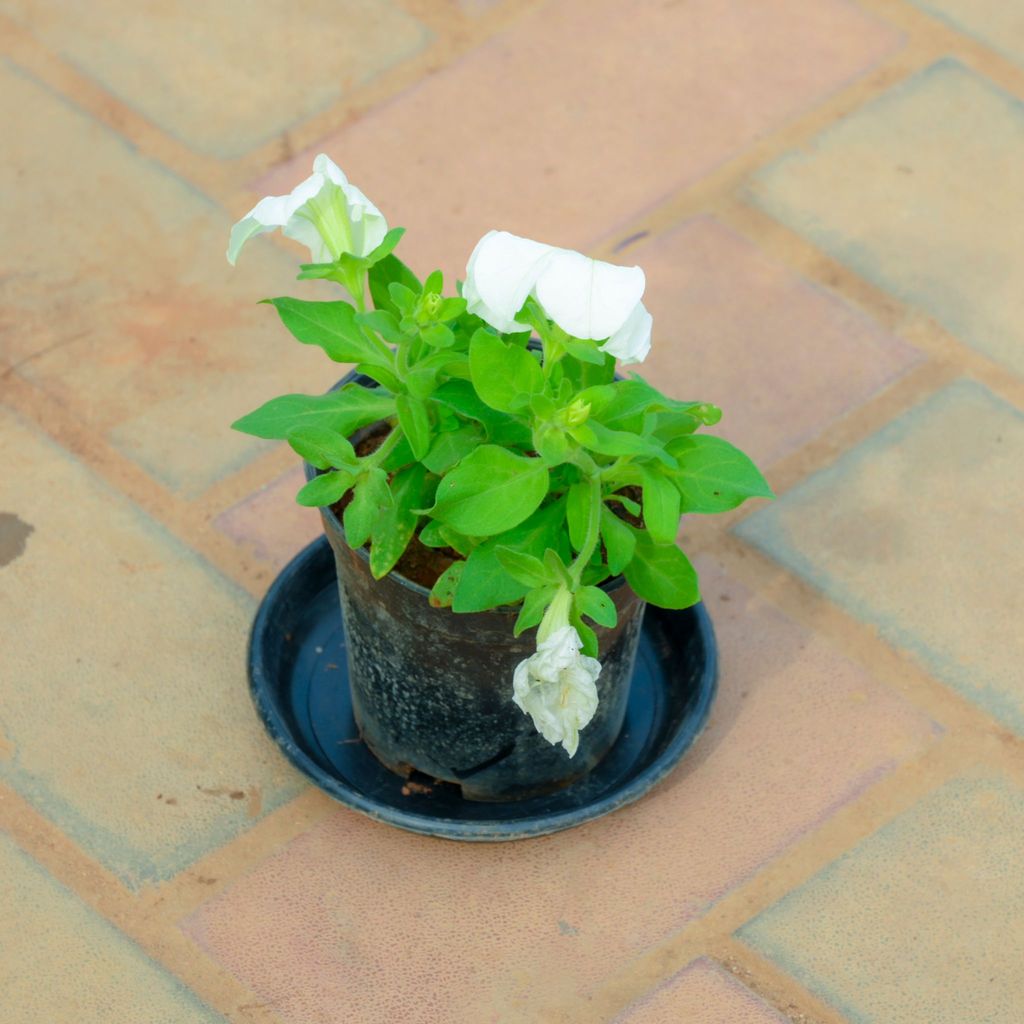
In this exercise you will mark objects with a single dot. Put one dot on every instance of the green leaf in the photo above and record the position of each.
(415, 423)
(437, 535)
(597, 605)
(552, 445)
(632, 507)
(619, 541)
(332, 326)
(667, 426)
(714, 476)
(342, 411)
(317, 271)
(577, 513)
(524, 568)
(431, 535)
(325, 449)
(661, 506)
(662, 574)
(438, 336)
(434, 282)
(535, 604)
(385, 324)
(631, 399)
(502, 374)
(596, 437)
(443, 592)
(421, 381)
(384, 248)
(383, 376)
(451, 447)
(325, 489)
(585, 374)
(382, 274)
(396, 525)
(557, 568)
(401, 455)
(370, 495)
(585, 352)
(586, 634)
(485, 582)
(490, 491)
(501, 428)
(403, 298)
(457, 541)
(451, 309)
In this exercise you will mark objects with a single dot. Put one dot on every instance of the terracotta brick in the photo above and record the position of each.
(780, 355)
(995, 23)
(269, 523)
(921, 921)
(704, 994)
(585, 112)
(915, 531)
(477, 7)
(916, 192)
(61, 960)
(127, 719)
(231, 82)
(124, 309)
(352, 916)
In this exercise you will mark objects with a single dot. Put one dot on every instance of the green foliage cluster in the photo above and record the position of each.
(535, 463)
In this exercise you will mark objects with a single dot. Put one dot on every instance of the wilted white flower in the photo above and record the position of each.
(324, 213)
(587, 298)
(556, 688)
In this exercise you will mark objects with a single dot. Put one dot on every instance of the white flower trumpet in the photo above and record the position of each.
(324, 213)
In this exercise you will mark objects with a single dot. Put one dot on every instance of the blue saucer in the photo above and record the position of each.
(299, 684)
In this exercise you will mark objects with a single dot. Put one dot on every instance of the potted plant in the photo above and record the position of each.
(501, 504)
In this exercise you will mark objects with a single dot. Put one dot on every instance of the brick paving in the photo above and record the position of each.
(826, 199)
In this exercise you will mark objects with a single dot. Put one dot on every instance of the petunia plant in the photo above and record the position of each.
(509, 440)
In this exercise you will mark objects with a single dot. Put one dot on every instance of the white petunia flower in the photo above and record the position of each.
(500, 275)
(324, 213)
(632, 341)
(587, 298)
(556, 688)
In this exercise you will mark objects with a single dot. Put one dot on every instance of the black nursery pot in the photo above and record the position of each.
(432, 690)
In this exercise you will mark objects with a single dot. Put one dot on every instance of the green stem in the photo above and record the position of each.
(593, 532)
(358, 290)
(389, 444)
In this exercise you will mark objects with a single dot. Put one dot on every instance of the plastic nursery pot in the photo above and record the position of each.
(432, 689)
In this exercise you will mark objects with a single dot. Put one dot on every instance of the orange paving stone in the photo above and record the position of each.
(994, 22)
(62, 961)
(226, 85)
(139, 683)
(141, 328)
(796, 732)
(911, 532)
(704, 994)
(919, 922)
(577, 153)
(916, 191)
(269, 523)
(781, 356)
